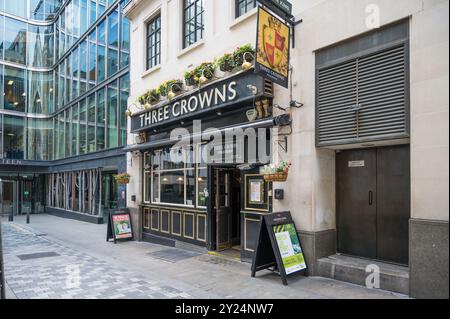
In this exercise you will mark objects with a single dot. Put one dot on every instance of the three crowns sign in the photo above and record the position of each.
(272, 45)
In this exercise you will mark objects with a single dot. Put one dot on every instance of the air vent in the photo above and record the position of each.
(363, 99)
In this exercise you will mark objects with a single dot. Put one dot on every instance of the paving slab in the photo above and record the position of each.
(88, 267)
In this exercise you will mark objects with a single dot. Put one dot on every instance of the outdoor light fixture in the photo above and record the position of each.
(247, 65)
(171, 95)
(203, 79)
(129, 111)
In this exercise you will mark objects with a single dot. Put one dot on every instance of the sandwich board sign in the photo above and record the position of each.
(119, 227)
(279, 246)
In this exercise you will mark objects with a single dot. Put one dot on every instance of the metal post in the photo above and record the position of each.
(2, 271)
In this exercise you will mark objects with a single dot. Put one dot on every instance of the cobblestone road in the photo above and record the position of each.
(69, 274)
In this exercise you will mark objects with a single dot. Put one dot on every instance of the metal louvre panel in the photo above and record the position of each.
(365, 98)
(337, 92)
(382, 93)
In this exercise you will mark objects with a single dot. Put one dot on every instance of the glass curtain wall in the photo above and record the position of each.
(52, 63)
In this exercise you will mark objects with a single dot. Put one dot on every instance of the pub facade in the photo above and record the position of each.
(360, 128)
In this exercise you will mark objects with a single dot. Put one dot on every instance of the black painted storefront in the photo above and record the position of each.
(229, 219)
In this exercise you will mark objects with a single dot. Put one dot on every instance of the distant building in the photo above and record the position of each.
(64, 82)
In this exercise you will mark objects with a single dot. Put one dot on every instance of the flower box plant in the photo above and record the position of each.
(226, 63)
(175, 86)
(190, 78)
(154, 96)
(276, 172)
(123, 178)
(239, 53)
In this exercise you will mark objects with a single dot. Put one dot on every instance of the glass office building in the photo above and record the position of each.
(64, 87)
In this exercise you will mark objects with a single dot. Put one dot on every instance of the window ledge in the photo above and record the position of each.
(191, 48)
(150, 71)
(243, 18)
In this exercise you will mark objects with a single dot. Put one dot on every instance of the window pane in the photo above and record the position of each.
(101, 119)
(154, 42)
(202, 181)
(193, 21)
(113, 138)
(172, 187)
(15, 41)
(82, 128)
(40, 92)
(14, 89)
(39, 132)
(16, 7)
(125, 45)
(124, 92)
(101, 63)
(13, 137)
(75, 123)
(40, 46)
(113, 29)
(91, 124)
(169, 157)
(190, 187)
(244, 6)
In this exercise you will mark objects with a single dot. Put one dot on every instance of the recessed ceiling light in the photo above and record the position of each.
(10, 82)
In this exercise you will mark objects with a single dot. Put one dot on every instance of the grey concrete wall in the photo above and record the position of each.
(317, 245)
(428, 248)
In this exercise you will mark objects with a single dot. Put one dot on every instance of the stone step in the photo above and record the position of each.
(393, 278)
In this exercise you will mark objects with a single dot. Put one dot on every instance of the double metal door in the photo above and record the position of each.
(373, 203)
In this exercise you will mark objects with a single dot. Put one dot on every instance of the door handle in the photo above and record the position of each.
(370, 198)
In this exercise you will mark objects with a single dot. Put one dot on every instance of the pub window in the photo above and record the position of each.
(193, 21)
(175, 180)
(154, 42)
(173, 177)
(244, 6)
(202, 178)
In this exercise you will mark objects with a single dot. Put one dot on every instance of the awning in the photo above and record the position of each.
(270, 122)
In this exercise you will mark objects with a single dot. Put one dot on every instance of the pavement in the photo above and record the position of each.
(55, 258)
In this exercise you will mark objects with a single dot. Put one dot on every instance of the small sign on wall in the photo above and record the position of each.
(356, 164)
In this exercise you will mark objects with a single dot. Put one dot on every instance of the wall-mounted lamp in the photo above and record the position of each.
(247, 65)
(171, 95)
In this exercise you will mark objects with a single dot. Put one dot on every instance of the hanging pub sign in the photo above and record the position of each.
(119, 227)
(272, 48)
(278, 246)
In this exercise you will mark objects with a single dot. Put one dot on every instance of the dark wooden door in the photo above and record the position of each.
(393, 205)
(223, 209)
(356, 203)
(373, 203)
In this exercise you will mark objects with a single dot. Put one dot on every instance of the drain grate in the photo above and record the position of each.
(38, 255)
(173, 255)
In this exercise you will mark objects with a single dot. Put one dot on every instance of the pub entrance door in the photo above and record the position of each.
(373, 203)
(226, 207)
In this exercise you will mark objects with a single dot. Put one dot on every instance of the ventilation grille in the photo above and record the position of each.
(363, 99)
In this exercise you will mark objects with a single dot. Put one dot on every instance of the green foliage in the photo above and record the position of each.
(241, 51)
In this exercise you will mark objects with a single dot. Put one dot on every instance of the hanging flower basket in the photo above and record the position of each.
(276, 177)
(276, 172)
(122, 179)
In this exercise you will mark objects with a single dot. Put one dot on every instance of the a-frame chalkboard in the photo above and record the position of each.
(279, 246)
(119, 227)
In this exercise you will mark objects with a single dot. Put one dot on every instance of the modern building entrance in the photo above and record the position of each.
(373, 203)
(8, 197)
(226, 208)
